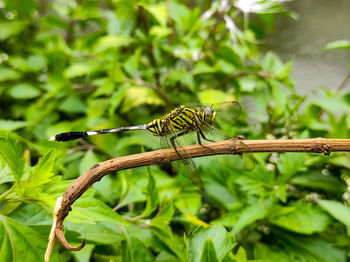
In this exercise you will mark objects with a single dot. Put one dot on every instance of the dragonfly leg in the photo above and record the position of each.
(172, 139)
(202, 134)
(199, 138)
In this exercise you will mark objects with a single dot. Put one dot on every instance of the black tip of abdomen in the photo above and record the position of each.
(70, 136)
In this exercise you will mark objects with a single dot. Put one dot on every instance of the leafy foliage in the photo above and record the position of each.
(85, 65)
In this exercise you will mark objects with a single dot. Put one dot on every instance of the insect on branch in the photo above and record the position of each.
(232, 146)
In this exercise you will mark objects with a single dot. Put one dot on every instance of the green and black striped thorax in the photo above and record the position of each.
(182, 118)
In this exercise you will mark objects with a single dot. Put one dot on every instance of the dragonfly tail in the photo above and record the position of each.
(68, 136)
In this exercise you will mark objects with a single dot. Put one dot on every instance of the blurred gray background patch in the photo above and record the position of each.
(319, 22)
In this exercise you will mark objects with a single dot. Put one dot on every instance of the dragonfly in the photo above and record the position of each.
(171, 128)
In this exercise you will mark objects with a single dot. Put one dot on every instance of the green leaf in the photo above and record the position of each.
(339, 128)
(116, 100)
(209, 252)
(202, 68)
(159, 31)
(43, 170)
(81, 68)
(271, 253)
(301, 218)
(73, 104)
(84, 255)
(181, 76)
(334, 104)
(99, 233)
(24, 91)
(21, 243)
(272, 63)
(112, 41)
(152, 195)
(256, 211)
(89, 210)
(136, 96)
(11, 125)
(221, 240)
(166, 213)
(169, 242)
(36, 63)
(7, 74)
(290, 163)
(337, 210)
(130, 192)
(159, 11)
(11, 152)
(10, 28)
(23, 8)
(311, 249)
(214, 96)
(134, 250)
(188, 203)
(339, 44)
(316, 180)
(89, 159)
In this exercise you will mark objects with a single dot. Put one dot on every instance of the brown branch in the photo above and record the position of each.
(232, 146)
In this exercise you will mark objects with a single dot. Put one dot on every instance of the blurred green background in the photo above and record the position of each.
(86, 65)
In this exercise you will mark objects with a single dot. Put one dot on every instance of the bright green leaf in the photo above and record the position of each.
(81, 68)
(338, 210)
(136, 96)
(256, 211)
(73, 104)
(24, 91)
(214, 96)
(152, 195)
(339, 44)
(112, 41)
(222, 240)
(209, 252)
(21, 243)
(11, 152)
(11, 125)
(10, 28)
(89, 159)
(290, 163)
(89, 210)
(159, 11)
(134, 250)
(302, 218)
(7, 74)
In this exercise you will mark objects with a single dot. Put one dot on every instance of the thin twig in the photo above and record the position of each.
(232, 146)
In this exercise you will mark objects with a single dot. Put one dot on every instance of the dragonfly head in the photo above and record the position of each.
(209, 114)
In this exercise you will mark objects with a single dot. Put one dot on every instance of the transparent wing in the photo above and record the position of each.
(228, 111)
(215, 134)
(185, 166)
